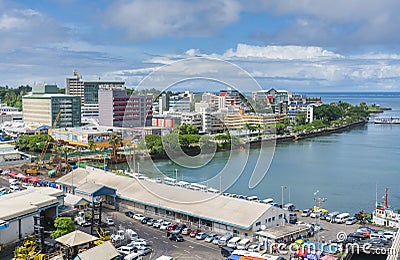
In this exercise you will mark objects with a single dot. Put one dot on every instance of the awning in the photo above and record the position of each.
(76, 238)
(43, 182)
(328, 257)
(19, 175)
(35, 179)
(301, 252)
(25, 178)
(12, 174)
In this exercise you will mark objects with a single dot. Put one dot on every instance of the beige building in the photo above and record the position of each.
(234, 121)
(44, 103)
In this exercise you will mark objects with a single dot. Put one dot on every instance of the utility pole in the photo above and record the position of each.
(283, 188)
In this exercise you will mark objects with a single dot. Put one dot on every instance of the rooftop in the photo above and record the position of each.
(104, 251)
(27, 201)
(282, 231)
(189, 202)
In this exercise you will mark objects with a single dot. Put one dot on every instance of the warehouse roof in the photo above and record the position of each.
(27, 201)
(94, 189)
(282, 231)
(231, 211)
(104, 251)
(74, 200)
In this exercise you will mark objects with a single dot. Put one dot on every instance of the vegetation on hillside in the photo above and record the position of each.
(13, 96)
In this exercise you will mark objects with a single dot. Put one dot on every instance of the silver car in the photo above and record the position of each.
(216, 240)
(210, 237)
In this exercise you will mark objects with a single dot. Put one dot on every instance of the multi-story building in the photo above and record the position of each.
(44, 103)
(179, 104)
(238, 121)
(230, 98)
(88, 92)
(9, 113)
(116, 108)
(192, 118)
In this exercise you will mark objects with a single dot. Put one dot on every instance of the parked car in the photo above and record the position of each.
(129, 214)
(150, 222)
(194, 232)
(157, 223)
(126, 250)
(216, 240)
(316, 214)
(180, 227)
(323, 216)
(165, 225)
(176, 237)
(305, 213)
(171, 227)
(389, 234)
(110, 221)
(138, 217)
(201, 236)
(186, 231)
(377, 235)
(254, 248)
(143, 241)
(377, 242)
(357, 235)
(210, 237)
(145, 251)
(351, 221)
(145, 219)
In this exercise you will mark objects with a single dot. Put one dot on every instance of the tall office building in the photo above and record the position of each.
(88, 92)
(44, 103)
(117, 109)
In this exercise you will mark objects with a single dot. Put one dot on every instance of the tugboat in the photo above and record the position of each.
(384, 215)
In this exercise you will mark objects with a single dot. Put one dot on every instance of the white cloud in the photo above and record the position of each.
(279, 52)
(149, 19)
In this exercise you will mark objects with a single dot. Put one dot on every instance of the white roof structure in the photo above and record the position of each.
(282, 231)
(76, 238)
(27, 201)
(231, 211)
(104, 251)
(74, 200)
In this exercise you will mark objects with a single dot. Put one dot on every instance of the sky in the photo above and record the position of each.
(299, 45)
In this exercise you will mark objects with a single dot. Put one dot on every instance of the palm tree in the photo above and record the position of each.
(91, 145)
(115, 142)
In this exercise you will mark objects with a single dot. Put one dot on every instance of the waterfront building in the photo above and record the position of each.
(116, 108)
(44, 103)
(192, 118)
(241, 217)
(88, 92)
(235, 121)
(18, 211)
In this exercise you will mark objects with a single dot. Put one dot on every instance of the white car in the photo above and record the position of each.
(253, 248)
(157, 223)
(316, 214)
(142, 241)
(305, 213)
(351, 221)
(110, 221)
(164, 225)
(139, 217)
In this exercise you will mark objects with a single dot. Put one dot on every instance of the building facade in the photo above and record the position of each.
(116, 108)
(88, 92)
(44, 103)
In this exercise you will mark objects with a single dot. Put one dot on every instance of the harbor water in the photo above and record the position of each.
(346, 168)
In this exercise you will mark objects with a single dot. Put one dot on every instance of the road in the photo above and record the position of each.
(161, 245)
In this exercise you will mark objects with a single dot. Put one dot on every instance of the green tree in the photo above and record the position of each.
(301, 118)
(63, 225)
(185, 129)
(115, 142)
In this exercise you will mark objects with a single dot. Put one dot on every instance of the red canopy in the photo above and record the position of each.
(34, 179)
(19, 175)
(25, 178)
(328, 257)
(12, 174)
(301, 252)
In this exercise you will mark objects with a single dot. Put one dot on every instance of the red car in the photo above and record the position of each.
(194, 232)
(171, 227)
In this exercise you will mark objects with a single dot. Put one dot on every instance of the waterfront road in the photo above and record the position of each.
(161, 245)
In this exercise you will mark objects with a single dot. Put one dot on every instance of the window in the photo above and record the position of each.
(268, 220)
(258, 223)
(280, 216)
(273, 218)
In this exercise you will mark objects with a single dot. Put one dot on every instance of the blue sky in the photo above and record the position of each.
(301, 45)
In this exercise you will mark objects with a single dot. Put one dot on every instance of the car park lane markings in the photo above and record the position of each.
(146, 233)
(186, 251)
(175, 246)
(165, 242)
(190, 246)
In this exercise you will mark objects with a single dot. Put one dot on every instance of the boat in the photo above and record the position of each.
(384, 215)
(387, 120)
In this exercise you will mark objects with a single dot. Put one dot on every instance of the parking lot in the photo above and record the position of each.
(161, 245)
